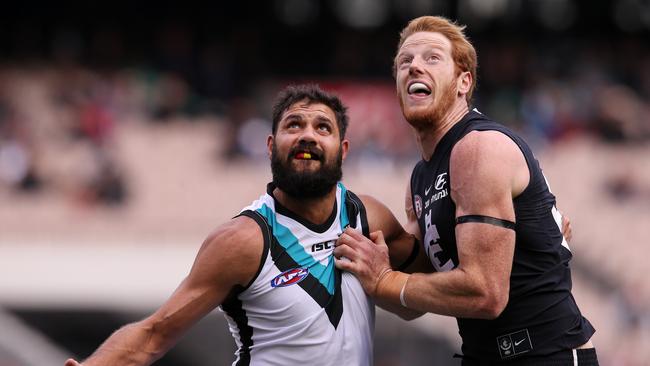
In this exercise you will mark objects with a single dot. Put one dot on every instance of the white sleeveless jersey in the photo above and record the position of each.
(300, 309)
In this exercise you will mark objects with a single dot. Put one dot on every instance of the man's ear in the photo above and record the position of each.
(345, 145)
(269, 145)
(464, 82)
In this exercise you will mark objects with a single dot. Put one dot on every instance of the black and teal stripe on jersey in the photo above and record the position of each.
(285, 242)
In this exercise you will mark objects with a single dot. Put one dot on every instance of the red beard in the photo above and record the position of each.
(423, 119)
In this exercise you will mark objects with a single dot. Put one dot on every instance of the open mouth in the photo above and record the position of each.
(419, 89)
(302, 154)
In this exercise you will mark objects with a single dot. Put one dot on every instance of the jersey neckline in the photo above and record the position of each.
(317, 228)
(453, 131)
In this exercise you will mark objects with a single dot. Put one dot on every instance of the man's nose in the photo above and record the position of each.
(308, 135)
(416, 66)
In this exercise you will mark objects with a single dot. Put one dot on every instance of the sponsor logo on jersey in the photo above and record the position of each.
(440, 181)
(440, 190)
(323, 246)
(290, 277)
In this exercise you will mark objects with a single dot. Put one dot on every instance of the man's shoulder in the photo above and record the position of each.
(241, 236)
(379, 216)
(230, 254)
(485, 148)
(477, 121)
(371, 203)
(483, 132)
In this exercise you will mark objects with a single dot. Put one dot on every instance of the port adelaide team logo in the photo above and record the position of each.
(290, 277)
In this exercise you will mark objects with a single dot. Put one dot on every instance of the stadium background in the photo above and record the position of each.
(129, 130)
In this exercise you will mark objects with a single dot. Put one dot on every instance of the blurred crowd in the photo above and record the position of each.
(554, 88)
(549, 89)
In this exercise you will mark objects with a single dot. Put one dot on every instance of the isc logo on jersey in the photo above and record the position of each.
(290, 277)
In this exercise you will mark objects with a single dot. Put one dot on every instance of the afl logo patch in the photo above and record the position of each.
(290, 277)
(417, 202)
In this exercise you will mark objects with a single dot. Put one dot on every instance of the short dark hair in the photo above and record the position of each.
(313, 94)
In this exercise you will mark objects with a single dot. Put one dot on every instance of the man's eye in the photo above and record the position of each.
(293, 125)
(324, 127)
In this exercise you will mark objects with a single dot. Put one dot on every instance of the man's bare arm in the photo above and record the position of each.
(381, 219)
(230, 256)
(402, 245)
(487, 170)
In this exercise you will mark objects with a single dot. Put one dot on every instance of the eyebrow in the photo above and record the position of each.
(294, 116)
(324, 119)
(406, 53)
(297, 116)
(435, 45)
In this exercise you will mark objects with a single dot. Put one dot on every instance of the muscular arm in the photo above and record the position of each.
(400, 242)
(230, 256)
(400, 245)
(487, 170)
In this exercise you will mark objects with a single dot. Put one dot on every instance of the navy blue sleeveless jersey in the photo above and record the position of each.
(541, 316)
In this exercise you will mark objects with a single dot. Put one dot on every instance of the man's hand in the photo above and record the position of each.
(71, 362)
(366, 259)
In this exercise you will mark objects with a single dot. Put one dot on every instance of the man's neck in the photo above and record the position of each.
(429, 137)
(315, 210)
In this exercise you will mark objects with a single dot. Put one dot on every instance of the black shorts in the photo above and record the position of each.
(584, 357)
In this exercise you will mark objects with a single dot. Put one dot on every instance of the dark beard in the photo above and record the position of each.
(430, 118)
(305, 185)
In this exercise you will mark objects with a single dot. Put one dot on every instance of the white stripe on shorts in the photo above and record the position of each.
(575, 357)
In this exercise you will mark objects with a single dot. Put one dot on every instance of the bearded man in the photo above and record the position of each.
(271, 268)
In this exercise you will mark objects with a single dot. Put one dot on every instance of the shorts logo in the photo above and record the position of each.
(514, 344)
(290, 277)
(417, 202)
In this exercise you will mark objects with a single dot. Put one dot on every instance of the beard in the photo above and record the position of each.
(429, 117)
(305, 184)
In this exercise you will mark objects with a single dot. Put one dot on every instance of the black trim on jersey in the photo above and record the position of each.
(317, 228)
(233, 307)
(333, 304)
(412, 256)
(486, 220)
(266, 234)
(358, 208)
(353, 210)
